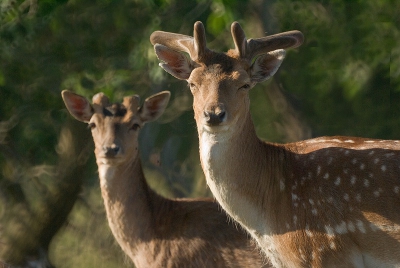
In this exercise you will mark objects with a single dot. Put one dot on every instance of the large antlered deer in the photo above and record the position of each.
(152, 230)
(324, 202)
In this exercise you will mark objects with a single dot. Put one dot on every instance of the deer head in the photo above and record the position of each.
(115, 126)
(220, 82)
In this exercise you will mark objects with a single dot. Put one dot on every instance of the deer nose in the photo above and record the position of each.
(111, 151)
(216, 117)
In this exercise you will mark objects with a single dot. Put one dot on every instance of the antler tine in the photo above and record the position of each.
(132, 102)
(178, 42)
(239, 38)
(101, 99)
(291, 39)
(195, 47)
(200, 41)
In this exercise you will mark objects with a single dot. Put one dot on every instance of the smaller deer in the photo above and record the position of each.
(152, 230)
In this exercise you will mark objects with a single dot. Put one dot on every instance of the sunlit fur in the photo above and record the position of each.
(152, 230)
(324, 202)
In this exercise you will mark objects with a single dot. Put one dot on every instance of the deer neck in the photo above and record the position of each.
(128, 201)
(238, 168)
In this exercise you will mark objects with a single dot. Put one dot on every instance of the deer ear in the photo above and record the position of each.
(77, 105)
(154, 106)
(173, 62)
(266, 65)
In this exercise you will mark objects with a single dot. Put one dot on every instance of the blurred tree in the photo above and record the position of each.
(344, 80)
(346, 74)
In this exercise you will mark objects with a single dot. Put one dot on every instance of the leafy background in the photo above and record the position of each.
(344, 80)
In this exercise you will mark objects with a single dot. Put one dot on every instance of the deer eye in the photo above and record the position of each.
(192, 86)
(245, 86)
(91, 125)
(135, 127)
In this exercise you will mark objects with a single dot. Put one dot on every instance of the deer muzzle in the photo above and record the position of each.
(215, 116)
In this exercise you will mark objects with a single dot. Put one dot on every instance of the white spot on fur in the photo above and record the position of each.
(366, 183)
(329, 231)
(341, 228)
(311, 202)
(358, 197)
(376, 160)
(351, 227)
(313, 255)
(332, 245)
(330, 159)
(318, 170)
(282, 185)
(362, 166)
(326, 176)
(353, 180)
(314, 211)
(396, 189)
(383, 168)
(346, 197)
(337, 181)
(308, 232)
(354, 161)
(360, 226)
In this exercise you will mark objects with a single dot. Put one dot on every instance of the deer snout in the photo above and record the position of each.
(215, 116)
(111, 151)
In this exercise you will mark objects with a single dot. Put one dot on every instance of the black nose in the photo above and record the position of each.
(214, 118)
(111, 151)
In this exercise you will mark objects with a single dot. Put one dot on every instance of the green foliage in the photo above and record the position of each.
(344, 80)
(342, 71)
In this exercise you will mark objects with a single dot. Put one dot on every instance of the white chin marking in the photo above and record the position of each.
(106, 173)
(215, 129)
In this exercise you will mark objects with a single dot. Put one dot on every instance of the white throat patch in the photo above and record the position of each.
(224, 188)
(106, 174)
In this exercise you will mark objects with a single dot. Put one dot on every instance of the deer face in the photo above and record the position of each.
(115, 133)
(220, 95)
(115, 127)
(220, 82)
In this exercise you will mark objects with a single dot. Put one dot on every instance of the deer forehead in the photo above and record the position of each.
(109, 121)
(216, 77)
(114, 114)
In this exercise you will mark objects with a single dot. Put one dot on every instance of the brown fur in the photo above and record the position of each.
(152, 230)
(325, 202)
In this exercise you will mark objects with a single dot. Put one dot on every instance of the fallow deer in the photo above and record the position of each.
(324, 202)
(152, 230)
